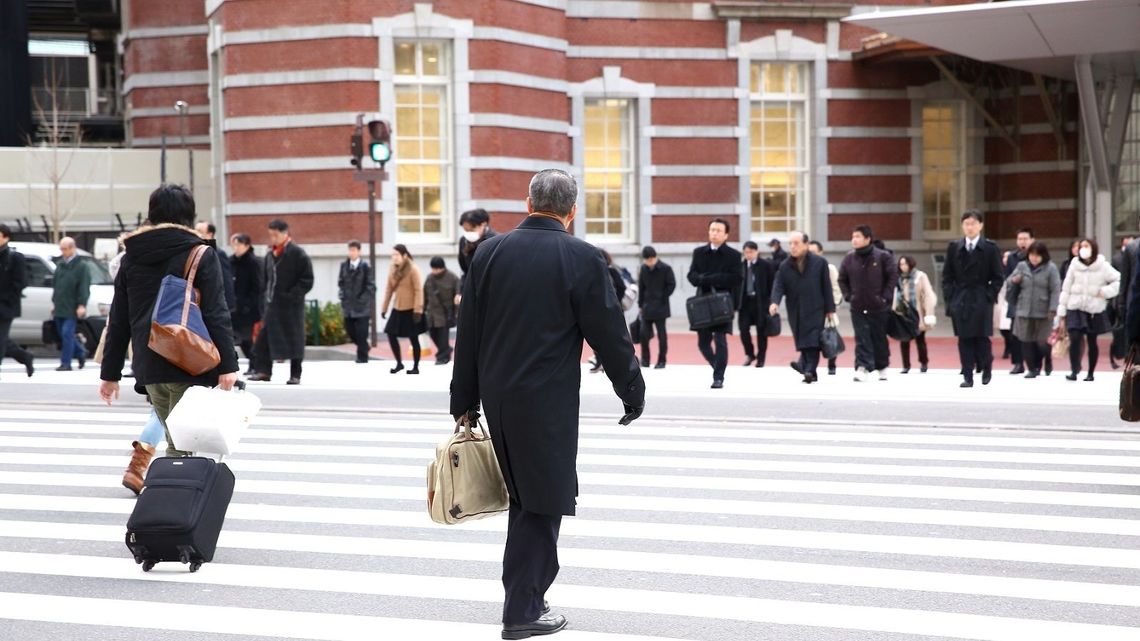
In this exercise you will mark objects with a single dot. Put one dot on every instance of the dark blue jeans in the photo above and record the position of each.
(68, 346)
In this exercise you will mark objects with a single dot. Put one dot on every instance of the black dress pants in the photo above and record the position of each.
(530, 563)
(441, 336)
(748, 318)
(923, 356)
(357, 329)
(872, 352)
(264, 361)
(975, 352)
(658, 327)
(809, 361)
(717, 358)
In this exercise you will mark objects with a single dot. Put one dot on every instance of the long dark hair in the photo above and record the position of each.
(403, 250)
(1095, 251)
(911, 263)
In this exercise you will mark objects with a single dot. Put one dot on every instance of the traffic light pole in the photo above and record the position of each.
(370, 177)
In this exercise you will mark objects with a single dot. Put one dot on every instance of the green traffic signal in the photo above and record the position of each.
(381, 152)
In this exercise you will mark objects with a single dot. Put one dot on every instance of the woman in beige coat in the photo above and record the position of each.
(914, 290)
(405, 285)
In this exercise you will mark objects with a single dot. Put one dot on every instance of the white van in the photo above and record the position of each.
(40, 259)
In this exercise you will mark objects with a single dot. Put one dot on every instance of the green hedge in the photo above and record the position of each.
(324, 325)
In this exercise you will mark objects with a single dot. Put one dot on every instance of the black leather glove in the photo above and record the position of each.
(631, 413)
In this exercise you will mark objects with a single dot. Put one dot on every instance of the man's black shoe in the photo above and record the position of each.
(831, 371)
(923, 368)
(987, 375)
(1017, 370)
(718, 384)
(645, 362)
(758, 363)
(659, 365)
(545, 624)
(967, 384)
(293, 381)
(29, 367)
(82, 363)
(749, 361)
(796, 366)
(64, 368)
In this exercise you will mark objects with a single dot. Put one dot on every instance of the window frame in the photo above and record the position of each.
(448, 179)
(962, 169)
(801, 97)
(1128, 178)
(629, 189)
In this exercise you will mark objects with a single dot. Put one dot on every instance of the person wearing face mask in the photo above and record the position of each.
(1088, 286)
(1034, 291)
(971, 280)
(716, 268)
(476, 225)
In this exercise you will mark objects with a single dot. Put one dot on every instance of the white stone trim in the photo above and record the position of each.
(1030, 167)
(784, 45)
(711, 93)
(869, 132)
(511, 121)
(697, 209)
(172, 141)
(508, 163)
(166, 112)
(297, 207)
(264, 165)
(1044, 204)
(307, 76)
(868, 170)
(166, 79)
(289, 34)
(294, 121)
(549, 4)
(648, 53)
(499, 205)
(212, 6)
(513, 36)
(692, 170)
(840, 93)
(496, 77)
(865, 208)
(640, 10)
(143, 33)
(685, 131)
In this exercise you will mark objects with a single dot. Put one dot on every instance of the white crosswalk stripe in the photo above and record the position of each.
(695, 531)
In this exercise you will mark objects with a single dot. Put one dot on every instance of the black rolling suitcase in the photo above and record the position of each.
(179, 513)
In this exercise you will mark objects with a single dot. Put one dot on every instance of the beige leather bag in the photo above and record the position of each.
(464, 481)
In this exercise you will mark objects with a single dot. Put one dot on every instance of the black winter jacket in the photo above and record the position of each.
(151, 254)
(868, 281)
(654, 287)
(13, 280)
(248, 295)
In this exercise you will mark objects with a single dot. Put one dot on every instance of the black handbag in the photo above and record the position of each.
(773, 326)
(710, 310)
(830, 342)
(903, 326)
(49, 333)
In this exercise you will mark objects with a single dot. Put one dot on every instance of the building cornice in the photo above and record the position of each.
(752, 10)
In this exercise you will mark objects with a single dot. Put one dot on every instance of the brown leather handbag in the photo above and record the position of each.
(1130, 386)
(177, 330)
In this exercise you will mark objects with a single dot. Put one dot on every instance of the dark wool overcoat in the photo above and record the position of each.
(654, 287)
(248, 293)
(13, 280)
(809, 298)
(970, 285)
(764, 275)
(357, 289)
(531, 296)
(287, 279)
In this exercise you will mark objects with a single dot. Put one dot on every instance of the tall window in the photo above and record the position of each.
(779, 173)
(609, 142)
(1127, 207)
(943, 165)
(423, 145)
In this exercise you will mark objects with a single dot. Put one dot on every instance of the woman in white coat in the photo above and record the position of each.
(914, 290)
(1088, 285)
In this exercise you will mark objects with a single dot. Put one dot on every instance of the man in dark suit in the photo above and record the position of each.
(716, 268)
(755, 295)
(971, 280)
(13, 280)
(655, 284)
(529, 299)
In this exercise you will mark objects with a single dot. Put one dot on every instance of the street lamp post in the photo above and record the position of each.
(182, 108)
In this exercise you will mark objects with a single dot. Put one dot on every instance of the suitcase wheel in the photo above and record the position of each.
(138, 559)
(194, 566)
(147, 566)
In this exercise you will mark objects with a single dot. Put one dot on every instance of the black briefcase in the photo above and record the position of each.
(772, 326)
(710, 310)
(49, 333)
(179, 513)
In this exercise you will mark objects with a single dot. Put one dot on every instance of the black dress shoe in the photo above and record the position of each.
(717, 384)
(1017, 370)
(922, 369)
(293, 381)
(1089, 377)
(749, 361)
(414, 371)
(29, 367)
(644, 363)
(545, 624)
(1071, 377)
(1032, 374)
(831, 371)
(259, 377)
(82, 363)
(967, 384)
(759, 363)
(987, 375)
(399, 367)
(796, 366)
(905, 370)
(65, 368)
(659, 365)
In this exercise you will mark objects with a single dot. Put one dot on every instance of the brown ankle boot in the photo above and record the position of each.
(136, 471)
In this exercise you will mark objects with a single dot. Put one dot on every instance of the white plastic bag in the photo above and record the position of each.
(210, 420)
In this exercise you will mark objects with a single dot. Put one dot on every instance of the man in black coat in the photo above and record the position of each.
(805, 280)
(13, 280)
(971, 280)
(778, 253)
(152, 252)
(655, 284)
(867, 277)
(288, 277)
(357, 293)
(716, 268)
(755, 296)
(530, 298)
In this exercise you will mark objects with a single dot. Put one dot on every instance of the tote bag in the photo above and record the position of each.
(177, 331)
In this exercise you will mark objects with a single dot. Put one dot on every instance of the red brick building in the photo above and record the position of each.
(774, 115)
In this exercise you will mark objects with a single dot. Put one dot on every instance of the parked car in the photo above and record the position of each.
(41, 260)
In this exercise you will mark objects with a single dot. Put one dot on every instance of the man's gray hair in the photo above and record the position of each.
(553, 191)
